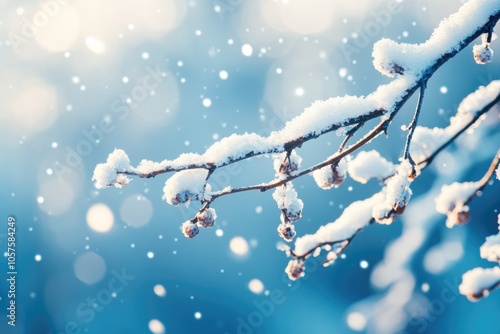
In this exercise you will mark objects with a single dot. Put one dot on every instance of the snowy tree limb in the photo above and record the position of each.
(336, 113)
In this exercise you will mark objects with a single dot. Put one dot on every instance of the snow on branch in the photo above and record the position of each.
(386, 209)
(479, 282)
(454, 198)
(412, 65)
(418, 62)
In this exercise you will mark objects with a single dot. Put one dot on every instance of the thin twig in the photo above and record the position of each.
(486, 178)
(349, 134)
(484, 181)
(478, 114)
(380, 128)
(413, 124)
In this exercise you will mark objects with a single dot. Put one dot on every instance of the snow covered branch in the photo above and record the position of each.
(412, 65)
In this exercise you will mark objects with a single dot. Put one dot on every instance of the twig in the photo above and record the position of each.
(349, 135)
(486, 178)
(478, 114)
(413, 124)
(484, 181)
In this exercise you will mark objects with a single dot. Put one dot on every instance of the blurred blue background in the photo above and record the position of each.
(73, 87)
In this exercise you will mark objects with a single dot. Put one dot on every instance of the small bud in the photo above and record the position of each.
(459, 216)
(483, 54)
(286, 231)
(286, 164)
(384, 215)
(291, 214)
(121, 180)
(331, 176)
(399, 208)
(190, 229)
(206, 218)
(295, 269)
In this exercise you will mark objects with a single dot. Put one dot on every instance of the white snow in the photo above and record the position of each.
(331, 176)
(426, 140)
(284, 166)
(455, 193)
(391, 58)
(356, 216)
(286, 199)
(398, 194)
(106, 174)
(322, 116)
(369, 165)
(490, 250)
(184, 186)
(477, 282)
(483, 54)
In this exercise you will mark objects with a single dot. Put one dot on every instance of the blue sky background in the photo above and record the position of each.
(63, 88)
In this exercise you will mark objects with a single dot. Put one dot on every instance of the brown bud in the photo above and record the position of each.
(295, 269)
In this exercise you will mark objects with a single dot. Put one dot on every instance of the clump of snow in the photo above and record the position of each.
(477, 283)
(490, 250)
(206, 218)
(369, 165)
(355, 217)
(189, 229)
(285, 164)
(391, 58)
(286, 231)
(184, 186)
(295, 269)
(106, 174)
(331, 257)
(398, 194)
(287, 201)
(483, 54)
(331, 176)
(426, 140)
(498, 173)
(452, 198)
(460, 215)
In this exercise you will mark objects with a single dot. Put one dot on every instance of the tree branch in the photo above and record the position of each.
(279, 141)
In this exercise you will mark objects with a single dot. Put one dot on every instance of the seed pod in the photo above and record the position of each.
(286, 231)
(459, 216)
(190, 229)
(295, 269)
(291, 214)
(483, 54)
(286, 164)
(206, 218)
